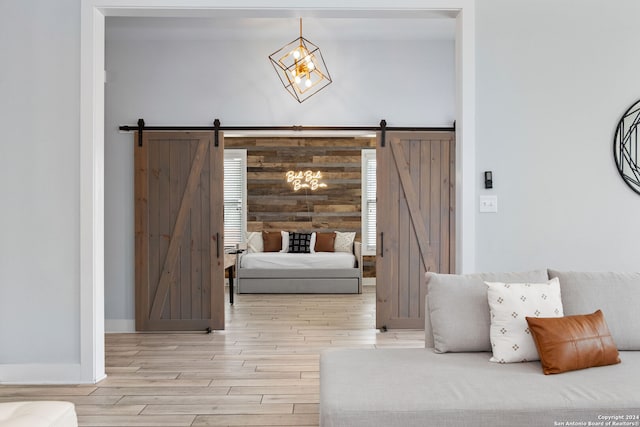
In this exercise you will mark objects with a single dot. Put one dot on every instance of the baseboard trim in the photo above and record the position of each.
(119, 326)
(41, 373)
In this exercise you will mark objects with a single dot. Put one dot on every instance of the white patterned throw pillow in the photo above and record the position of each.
(510, 304)
(344, 242)
(254, 242)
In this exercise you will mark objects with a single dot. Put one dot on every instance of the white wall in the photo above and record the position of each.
(39, 184)
(194, 81)
(553, 79)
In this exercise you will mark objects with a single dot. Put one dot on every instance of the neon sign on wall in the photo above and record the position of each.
(305, 179)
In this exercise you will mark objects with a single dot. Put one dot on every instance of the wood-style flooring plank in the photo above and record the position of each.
(109, 409)
(239, 409)
(306, 408)
(136, 420)
(291, 398)
(160, 391)
(191, 400)
(257, 420)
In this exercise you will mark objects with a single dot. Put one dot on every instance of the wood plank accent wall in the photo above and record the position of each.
(273, 205)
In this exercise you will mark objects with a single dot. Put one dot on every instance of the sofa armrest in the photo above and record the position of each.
(357, 251)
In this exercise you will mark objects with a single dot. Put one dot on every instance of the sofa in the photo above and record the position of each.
(270, 266)
(452, 382)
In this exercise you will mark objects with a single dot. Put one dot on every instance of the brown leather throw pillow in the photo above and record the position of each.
(325, 242)
(573, 342)
(272, 241)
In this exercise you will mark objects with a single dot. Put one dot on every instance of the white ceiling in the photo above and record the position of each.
(370, 26)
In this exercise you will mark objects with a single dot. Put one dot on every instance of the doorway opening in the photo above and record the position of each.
(92, 158)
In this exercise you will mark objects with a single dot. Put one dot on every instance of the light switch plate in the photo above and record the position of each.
(488, 203)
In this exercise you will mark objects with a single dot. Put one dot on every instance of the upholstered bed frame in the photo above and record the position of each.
(301, 280)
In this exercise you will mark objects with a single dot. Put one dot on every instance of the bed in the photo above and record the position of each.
(300, 273)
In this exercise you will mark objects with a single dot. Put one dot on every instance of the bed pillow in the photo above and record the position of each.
(285, 241)
(300, 243)
(573, 342)
(510, 304)
(344, 242)
(324, 242)
(254, 242)
(457, 310)
(312, 245)
(272, 241)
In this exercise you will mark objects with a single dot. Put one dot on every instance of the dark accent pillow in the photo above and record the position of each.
(300, 243)
(272, 241)
(325, 242)
(573, 342)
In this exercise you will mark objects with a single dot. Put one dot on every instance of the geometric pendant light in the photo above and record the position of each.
(301, 68)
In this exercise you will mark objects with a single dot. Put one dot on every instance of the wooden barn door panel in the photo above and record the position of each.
(179, 232)
(416, 219)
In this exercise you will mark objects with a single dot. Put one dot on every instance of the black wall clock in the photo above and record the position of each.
(625, 147)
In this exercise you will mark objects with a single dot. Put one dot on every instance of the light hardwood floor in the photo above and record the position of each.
(262, 370)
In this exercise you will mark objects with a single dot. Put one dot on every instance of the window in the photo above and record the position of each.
(235, 196)
(368, 202)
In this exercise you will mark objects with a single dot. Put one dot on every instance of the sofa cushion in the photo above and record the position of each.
(573, 342)
(299, 243)
(272, 241)
(416, 387)
(285, 241)
(344, 241)
(458, 310)
(324, 242)
(616, 294)
(254, 242)
(510, 304)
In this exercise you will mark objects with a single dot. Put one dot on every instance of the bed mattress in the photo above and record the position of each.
(279, 260)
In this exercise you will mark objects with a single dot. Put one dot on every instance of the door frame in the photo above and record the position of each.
(91, 189)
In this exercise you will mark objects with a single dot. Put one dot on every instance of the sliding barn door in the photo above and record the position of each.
(179, 232)
(416, 218)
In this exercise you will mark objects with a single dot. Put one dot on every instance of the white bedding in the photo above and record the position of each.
(274, 260)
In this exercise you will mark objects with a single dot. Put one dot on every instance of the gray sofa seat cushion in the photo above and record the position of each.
(616, 294)
(417, 387)
(458, 310)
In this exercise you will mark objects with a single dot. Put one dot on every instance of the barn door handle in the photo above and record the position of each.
(381, 244)
(218, 245)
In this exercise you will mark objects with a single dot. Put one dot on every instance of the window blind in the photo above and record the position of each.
(235, 188)
(369, 199)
